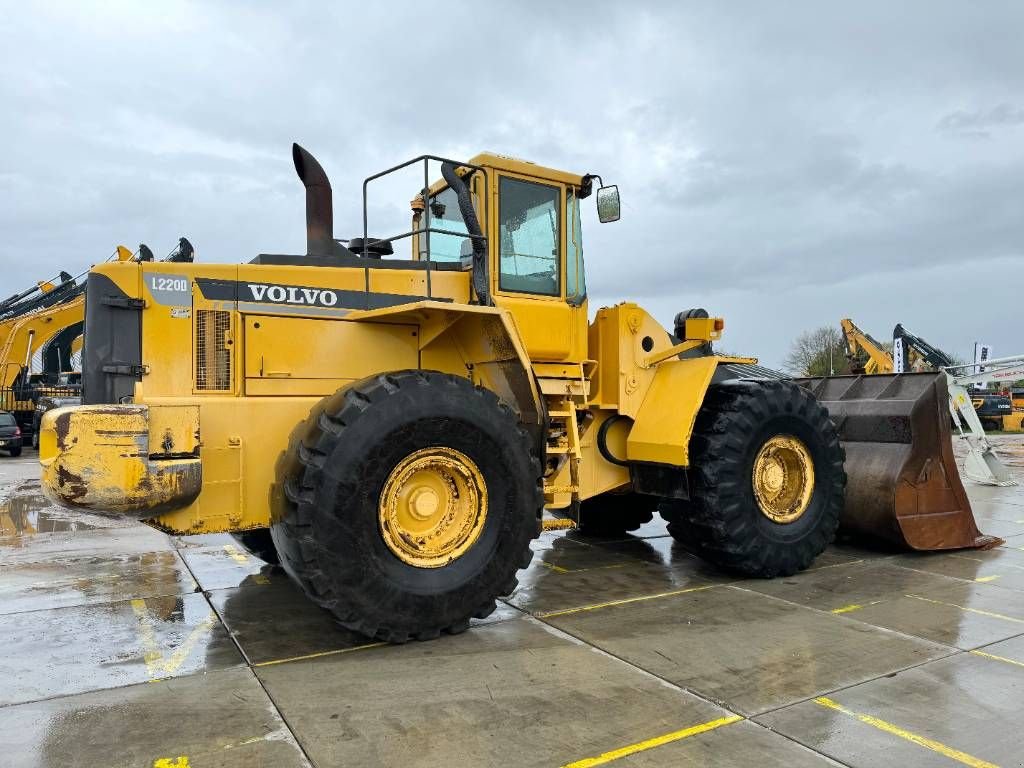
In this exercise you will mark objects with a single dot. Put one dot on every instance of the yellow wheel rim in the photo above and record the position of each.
(433, 507)
(783, 479)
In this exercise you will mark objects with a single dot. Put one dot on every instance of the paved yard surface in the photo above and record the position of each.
(126, 647)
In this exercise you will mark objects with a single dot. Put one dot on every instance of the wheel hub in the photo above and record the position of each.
(783, 479)
(432, 507)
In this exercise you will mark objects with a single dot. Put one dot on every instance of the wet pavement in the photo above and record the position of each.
(127, 647)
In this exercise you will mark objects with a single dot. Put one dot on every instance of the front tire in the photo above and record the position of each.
(767, 480)
(409, 505)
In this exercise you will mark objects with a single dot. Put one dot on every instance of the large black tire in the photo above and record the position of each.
(612, 514)
(327, 529)
(15, 452)
(258, 542)
(722, 522)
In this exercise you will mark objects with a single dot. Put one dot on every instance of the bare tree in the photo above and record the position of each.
(819, 352)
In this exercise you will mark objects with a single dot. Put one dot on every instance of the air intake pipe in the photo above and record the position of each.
(481, 284)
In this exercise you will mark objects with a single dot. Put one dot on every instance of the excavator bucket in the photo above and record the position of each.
(903, 485)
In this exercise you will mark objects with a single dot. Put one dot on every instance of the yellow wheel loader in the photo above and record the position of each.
(392, 430)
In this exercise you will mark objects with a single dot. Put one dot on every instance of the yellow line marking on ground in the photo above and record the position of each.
(157, 666)
(834, 565)
(999, 658)
(970, 610)
(895, 730)
(854, 607)
(235, 554)
(986, 579)
(318, 655)
(612, 603)
(560, 569)
(181, 761)
(657, 741)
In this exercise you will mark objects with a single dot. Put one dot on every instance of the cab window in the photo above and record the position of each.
(530, 237)
(444, 214)
(575, 277)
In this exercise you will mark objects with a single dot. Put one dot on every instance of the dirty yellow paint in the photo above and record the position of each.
(157, 666)
(172, 762)
(998, 658)
(854, 607)
(657, 741)
(986, 579)
(235, 554)
(557, 524)
(895, 730)
(612, 603)
(259, 578)
(992, 614)
(318, 655)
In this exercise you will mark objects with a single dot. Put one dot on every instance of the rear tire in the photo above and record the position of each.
(259, 543)
(723, 521)
(329, 525)
(612, 514)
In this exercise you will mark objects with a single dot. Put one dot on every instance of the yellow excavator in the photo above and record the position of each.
(395, 430)
(49, 328)
(863, 352)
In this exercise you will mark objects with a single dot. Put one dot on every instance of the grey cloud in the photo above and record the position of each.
(979, 123)
(794, 162)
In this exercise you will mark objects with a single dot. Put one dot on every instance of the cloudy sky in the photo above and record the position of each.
(782, 164)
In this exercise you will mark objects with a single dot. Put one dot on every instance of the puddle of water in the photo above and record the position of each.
(27, 512)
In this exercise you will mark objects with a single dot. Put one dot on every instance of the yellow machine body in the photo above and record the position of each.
(235, 357)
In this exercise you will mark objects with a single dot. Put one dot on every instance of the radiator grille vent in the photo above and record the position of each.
(213, 355)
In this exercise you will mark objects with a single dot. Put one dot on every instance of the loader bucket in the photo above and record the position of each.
(903, 486)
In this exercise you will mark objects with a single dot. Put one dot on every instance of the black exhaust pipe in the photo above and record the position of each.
(319, 206)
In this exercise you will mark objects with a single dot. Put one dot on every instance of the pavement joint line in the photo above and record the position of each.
(991, 614)
(248, 663)
(624, 601)
(319, 654)
(825, 612)
(657, 741)
(961, 579)
(993, 656)
(923, 741)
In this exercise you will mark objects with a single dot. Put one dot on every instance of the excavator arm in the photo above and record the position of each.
(859, 343)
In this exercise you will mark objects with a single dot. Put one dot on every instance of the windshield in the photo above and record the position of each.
(6, 420)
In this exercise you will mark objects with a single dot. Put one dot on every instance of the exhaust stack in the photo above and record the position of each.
(319, 206)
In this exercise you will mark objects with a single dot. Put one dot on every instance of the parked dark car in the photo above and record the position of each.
(10, 434)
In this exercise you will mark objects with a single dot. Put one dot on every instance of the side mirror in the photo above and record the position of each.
(608, 204)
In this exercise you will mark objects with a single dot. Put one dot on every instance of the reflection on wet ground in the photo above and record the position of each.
(125, 646)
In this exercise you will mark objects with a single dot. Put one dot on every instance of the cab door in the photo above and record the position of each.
(528, 272)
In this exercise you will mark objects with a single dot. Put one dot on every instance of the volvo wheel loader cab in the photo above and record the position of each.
(400, 424)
